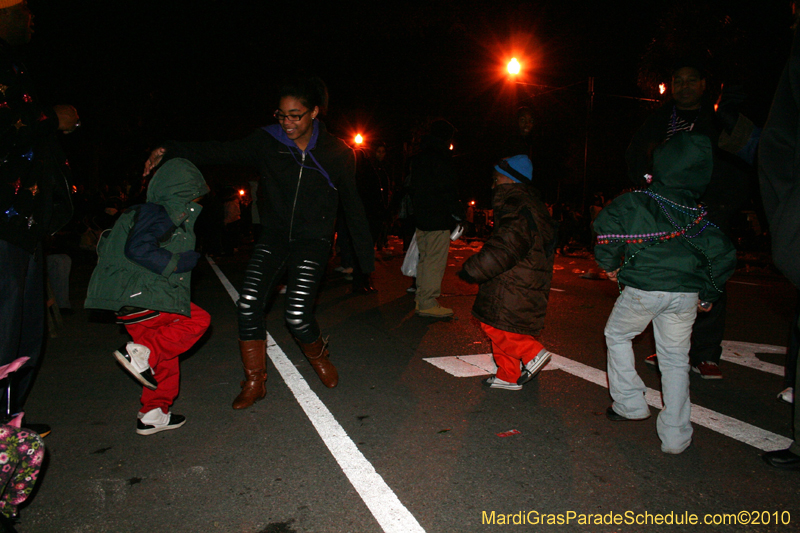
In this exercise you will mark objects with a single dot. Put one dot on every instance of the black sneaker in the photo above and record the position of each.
(533, 367)
(156, 421)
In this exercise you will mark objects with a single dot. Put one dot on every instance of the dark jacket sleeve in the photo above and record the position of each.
(779, 168)
(609, 221)
(510, 242)
(244, 152)
(355, 217)
(151, 226)
(722, 257)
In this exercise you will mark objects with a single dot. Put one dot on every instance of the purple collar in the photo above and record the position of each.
(280, 135)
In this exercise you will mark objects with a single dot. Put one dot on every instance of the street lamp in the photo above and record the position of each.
(359, 139)
(513, 66)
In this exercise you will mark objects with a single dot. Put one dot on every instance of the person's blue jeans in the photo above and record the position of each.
(22, 308)
(672, 315)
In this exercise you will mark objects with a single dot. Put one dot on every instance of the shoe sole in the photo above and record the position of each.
(704, 376)
(528, 375)
(121, 359)
(616, 417)
(154, 430)
(430, 315)
(509, 386)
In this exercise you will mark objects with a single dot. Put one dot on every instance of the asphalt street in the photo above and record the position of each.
(404, 443)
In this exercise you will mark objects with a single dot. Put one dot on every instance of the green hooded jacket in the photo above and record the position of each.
(119, 282)
(659, 238)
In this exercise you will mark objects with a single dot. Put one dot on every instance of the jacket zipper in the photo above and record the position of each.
(296, 192)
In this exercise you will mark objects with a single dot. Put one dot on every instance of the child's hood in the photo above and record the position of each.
(684, 162)
(174, 186)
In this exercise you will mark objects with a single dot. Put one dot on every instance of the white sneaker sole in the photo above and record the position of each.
(152, 430)
(492, 384)
(121, 359)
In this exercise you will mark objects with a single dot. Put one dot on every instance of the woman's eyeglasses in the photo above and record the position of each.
(291, 118)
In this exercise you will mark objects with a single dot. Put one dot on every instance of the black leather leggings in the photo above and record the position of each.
(304, 262)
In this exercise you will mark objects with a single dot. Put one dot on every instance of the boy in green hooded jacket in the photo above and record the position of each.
(672, 262)
(143, 274)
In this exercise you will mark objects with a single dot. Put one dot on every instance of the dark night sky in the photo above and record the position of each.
(204, 69)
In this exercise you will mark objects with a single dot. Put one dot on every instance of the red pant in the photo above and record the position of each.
(509, 349)
(168, 335)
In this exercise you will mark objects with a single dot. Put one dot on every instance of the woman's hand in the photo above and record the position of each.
(153, 161)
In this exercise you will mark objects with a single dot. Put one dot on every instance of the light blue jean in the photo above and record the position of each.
(672, 315)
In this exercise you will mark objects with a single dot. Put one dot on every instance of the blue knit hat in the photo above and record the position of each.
(519, 168)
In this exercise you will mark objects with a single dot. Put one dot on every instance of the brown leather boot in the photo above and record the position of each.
(254, 359)
(317, 354)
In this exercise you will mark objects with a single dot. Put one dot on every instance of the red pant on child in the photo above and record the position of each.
(509, 349)
(167, 336)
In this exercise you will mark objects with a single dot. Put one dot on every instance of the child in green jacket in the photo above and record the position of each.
(672, 262)
(143, 274)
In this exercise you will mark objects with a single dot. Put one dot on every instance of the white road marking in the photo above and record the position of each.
(730, 427)
(382, 502)
(744, 353)
(557, 290)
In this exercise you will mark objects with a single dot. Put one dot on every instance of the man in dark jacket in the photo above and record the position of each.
(780, 189)
(436, 210)
(514, 269)
(34, 198)
(690, 110)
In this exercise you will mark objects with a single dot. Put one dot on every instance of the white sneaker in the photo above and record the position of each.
(156, 420)
(787, 395)
(493, 382)
(135, 359)
(533, 367)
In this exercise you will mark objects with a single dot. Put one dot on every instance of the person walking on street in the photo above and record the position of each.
(514, 269)
(437, 209)
(305, 172)
(659, 245)
(35, 200)
(728, 190)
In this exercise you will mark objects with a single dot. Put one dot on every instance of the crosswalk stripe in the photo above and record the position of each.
(482, 364)
(382, 502)
(744, 353)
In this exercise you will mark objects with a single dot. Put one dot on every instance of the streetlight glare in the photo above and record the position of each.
(662, 88)
(513, 66)
(359, 139)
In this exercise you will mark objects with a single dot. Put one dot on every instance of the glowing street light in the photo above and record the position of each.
(513, 66)
(359, 139)
(662, 88)
(241, 192)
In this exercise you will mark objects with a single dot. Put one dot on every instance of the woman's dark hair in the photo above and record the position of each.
(310, 90)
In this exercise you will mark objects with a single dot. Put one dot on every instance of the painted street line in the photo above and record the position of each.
(382, 502)
(744, 353)
(730, 427)
(557, 290)
(745, 283)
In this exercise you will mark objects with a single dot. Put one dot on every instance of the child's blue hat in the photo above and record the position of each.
(519, 168)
